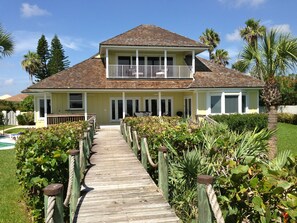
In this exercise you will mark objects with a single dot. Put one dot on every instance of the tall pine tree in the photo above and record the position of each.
(58, 61)
(43, 53)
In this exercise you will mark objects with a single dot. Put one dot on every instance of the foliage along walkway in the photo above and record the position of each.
(118, 189)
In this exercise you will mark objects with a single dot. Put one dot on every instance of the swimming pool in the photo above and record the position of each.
(6, 143)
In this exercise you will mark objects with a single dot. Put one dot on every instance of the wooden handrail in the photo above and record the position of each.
(81, 160)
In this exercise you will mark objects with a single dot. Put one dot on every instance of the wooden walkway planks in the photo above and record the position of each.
(118, 187)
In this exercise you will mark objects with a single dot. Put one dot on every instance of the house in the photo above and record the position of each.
(146, 69)
(17, 98)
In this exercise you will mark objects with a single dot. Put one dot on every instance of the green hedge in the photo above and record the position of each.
(240, 123)
(287, 118)
(26, 119)
(42, 159)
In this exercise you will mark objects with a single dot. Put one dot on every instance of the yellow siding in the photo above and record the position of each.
(253, 105)
(202, 103)
(59, 103)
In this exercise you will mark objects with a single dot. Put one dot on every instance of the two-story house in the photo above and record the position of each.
(146, 70)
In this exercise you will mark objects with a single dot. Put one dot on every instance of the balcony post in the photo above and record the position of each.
(124, 104)
(197, 101)
(45, 109)
(159, 104)
(107, 64)
(137, 64)
(193, 63)
(86, 106)
(165, 63)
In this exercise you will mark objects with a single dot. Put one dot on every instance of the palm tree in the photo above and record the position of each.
(31, 64)
(252, 32)
(6, 43)
(211, 39)
(221, 57)
(275, 55)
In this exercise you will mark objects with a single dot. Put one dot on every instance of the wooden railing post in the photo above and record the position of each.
(134, 143)
(129, 137)
(75, 192)
(125, 132)
(163, 171)
(204, 209)
(82, 159)
(86, 147)
(143, 153)
(55, 190)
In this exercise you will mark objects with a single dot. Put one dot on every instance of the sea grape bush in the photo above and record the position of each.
(250, 188)
(42, 159)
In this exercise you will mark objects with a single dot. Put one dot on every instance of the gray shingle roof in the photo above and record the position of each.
(150, 35)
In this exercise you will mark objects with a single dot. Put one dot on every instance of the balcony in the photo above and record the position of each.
(149, 71)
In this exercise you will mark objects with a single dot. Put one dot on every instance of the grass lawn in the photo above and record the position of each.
(287, 137)
(12, 209)
(17, 130)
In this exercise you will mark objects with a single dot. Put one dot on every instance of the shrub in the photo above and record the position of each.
(287, 118)
(26, 118)
(244, 122)
(42, 159)
(1, 118)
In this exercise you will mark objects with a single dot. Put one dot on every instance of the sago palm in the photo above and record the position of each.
(211, 39)
(6, 43)
(31, 64)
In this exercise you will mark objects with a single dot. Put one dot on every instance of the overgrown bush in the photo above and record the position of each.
(249, 187)
(287, 118)
(42, 159)
(26, 118)
(244, 122)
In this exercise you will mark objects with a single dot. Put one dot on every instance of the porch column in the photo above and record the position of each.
(223, 103)
(107, 64)
(197, 109)
(86, 106)
(159, 104)
(137, 64)
(240, 102)
(45, 109)
(258, 107)
(193, 63)
(165, 63)
(124, 104)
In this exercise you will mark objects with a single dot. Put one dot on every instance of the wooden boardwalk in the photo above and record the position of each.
(118, 189)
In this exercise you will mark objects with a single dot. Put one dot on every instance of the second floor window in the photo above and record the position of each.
(75, 101)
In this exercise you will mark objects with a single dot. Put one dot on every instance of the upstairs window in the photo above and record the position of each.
(75, 101)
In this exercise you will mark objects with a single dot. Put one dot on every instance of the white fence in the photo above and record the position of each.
(10, 117)
(292, 109)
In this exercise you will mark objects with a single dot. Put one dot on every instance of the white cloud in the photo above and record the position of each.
(235, 36)
(25, 41)
(241, 3)
(9, 81)
(28, 10)
(283, 28)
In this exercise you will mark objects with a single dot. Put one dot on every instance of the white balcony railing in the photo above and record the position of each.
(149, 71)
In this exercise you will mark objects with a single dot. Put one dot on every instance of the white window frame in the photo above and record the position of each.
(189, 108)
(223, 105)
(162, 98)
(82, 99)
(116, 106)
(38, 106)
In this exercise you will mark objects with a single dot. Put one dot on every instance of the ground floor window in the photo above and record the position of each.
(151, 105)
(42, 109)
(188, 106)
(75, 101)
(132, 106)
(227, 103)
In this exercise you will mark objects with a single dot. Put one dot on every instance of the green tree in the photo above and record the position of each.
(58, 61)
(31, 64)
(6, 43)
(211, 39)
(27, 104)
(275, 54)
(221, 57)
(252, 32)
(43, 53)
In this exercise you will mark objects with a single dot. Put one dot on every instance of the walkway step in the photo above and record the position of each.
(119, 190)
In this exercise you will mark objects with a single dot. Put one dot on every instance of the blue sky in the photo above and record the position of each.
(81, 25)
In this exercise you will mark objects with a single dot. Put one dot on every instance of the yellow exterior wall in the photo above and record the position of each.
(253, 105)
(59, 103)
(202, 103)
